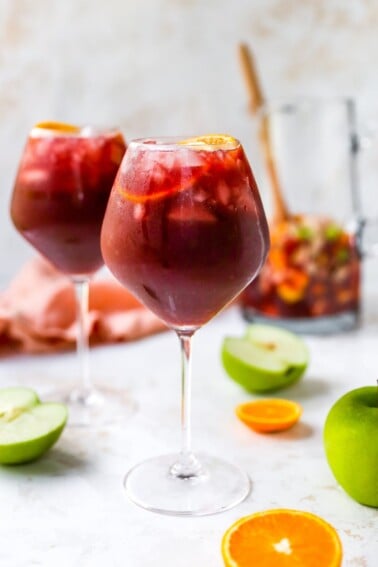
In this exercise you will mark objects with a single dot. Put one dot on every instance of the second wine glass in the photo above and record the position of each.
(58, 203)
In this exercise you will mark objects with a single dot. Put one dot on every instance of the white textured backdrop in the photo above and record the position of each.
(158, 67)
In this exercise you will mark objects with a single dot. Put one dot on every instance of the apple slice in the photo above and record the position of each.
(266, 358)
(28, 428)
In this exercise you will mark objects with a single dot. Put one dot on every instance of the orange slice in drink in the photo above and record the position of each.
(269, 415)
(136, 198)
(212, 141)
(281, 538)
(193, 171)
(59, 127)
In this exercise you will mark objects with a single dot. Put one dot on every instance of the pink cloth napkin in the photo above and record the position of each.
(38, 312)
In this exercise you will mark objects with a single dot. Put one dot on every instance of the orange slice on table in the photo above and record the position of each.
(269, 415)
(281, 538)
(214, 141)
(60, 127)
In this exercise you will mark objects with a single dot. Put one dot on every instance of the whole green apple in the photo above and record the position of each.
(351, 443)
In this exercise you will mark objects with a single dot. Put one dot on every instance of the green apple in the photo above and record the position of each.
(28, 428)
(267, 358)
(351, 443)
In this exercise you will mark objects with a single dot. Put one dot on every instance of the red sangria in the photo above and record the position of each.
(185, 232)
(184, 229)
(61, 192)
(59, 199)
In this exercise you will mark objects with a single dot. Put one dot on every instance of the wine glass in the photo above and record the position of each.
(58, 203)
(185, 232)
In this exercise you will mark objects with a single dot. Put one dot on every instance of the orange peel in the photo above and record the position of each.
(215, 141)
(60, 127)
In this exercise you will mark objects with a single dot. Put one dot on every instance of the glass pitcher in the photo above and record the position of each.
(312, 278)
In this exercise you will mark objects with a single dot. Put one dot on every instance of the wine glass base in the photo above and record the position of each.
(97, 407)
(219, 487)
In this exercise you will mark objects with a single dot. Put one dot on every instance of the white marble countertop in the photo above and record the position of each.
(69, 509)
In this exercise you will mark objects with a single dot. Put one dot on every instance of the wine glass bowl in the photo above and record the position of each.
(184, 229)
(58, 203)
(185, 232)
(61, 191)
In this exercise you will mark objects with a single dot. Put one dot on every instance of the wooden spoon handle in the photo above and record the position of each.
(254, 91)
(280, 210)
(256, 102)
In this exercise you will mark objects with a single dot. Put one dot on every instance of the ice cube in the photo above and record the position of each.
(87, 131)
(243, 199)
(146, 160)
(158, 174)
(191, 158)
(167, 159)
(34, 176)
(223, 192)
(240, 164)
(200, 194)
(192, 212)
(127, 162)
(139, 211)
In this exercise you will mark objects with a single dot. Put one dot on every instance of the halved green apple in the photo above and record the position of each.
(267, 358)
(28, 428)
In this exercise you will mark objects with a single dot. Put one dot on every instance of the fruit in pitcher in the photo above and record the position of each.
(312, 270)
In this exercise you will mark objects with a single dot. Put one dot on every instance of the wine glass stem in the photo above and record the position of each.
(186, 393)
(187, 465)
(82, 345)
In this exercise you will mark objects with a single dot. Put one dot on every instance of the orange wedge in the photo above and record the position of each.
(211, 141)
(269, 415)
(215, 141)
(281, 538)
(136, 198)
(61, 127)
